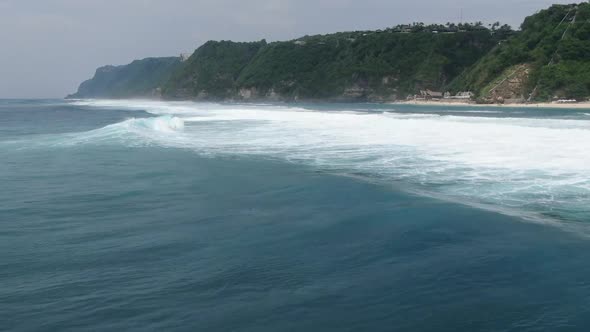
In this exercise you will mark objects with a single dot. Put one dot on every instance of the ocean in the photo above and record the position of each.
(178, 216)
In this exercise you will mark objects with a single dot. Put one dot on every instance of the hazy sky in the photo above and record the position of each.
(47, 47)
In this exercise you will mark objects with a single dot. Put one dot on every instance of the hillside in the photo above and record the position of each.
(548, 59)
(369, 65)
(141, 78)
(211, 72)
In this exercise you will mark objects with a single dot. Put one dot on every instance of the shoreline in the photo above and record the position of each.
(583, 105)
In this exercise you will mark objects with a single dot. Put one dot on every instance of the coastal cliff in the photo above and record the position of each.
(546, 59)
(354, 66)
(382, 65)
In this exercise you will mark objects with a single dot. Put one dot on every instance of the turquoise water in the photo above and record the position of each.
(139, 215)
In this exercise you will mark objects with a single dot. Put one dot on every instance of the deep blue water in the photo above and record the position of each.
(120, 218)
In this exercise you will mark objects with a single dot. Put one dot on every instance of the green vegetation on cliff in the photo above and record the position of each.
(549, 57)
(211, 72)
(370, 65)
(141, 78)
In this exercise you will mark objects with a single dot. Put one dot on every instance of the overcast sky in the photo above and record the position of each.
(47, 47)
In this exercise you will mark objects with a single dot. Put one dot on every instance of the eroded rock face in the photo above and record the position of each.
(391, 97)
(387, 80)
(247, 93)
(355, 92)
(271, 95)
(510, 88)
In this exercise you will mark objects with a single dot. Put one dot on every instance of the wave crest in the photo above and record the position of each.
(133, 132)
(162, 123)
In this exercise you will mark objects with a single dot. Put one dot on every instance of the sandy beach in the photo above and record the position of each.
(581, 105)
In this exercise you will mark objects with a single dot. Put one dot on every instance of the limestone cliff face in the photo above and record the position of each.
(353, 93)
(356, 92)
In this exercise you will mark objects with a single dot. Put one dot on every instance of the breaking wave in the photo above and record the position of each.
(162, 124)
(131, 132)
(529, 164)
(135, 131)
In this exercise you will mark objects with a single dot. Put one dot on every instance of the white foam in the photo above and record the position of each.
(524, 163)
(162, 123)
